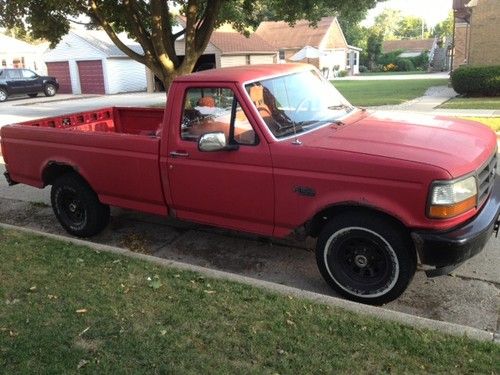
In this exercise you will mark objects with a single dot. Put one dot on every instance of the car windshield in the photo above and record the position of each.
(295, 103)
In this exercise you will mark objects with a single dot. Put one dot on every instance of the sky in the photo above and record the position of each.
(433, 11)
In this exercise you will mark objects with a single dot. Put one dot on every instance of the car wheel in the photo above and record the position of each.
(50, 89)
(3, 95)
(34, 95)
(366, 257)
(77, 206)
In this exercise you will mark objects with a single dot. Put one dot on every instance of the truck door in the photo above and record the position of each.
(32, 83)
(229, 188)
(15, 81)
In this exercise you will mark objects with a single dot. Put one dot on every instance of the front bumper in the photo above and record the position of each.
(447, 250)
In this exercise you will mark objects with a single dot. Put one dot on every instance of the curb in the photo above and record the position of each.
(367, 310)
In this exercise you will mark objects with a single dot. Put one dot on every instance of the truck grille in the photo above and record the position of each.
(486, 178)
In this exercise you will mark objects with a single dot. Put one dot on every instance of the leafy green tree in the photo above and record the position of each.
(387, 22)
(374, 47)
(445, 27)
(150, 22)
(410, 27)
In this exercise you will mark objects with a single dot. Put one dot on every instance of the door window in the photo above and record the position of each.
(208, 110)
(14, 74)
(28, 74)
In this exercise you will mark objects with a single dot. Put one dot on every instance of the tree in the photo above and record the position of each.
(445, 27)
(410, 27)
(387, 22)
(374, 47)
(150, 22)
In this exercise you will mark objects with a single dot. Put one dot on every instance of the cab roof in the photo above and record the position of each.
(243, 73)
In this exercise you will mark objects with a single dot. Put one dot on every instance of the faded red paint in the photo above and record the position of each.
(91, 77)
(60, 70)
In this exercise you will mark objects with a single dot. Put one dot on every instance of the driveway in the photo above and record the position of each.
(20, 109)
(470, 296)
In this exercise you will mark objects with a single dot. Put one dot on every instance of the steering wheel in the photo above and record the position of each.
(301, 103)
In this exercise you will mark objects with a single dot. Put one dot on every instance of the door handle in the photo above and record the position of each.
(179, 154)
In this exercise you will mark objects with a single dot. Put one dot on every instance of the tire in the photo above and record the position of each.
(77, 206)
(3, 95)
(366, 257)
(34, 95)
(49, 89)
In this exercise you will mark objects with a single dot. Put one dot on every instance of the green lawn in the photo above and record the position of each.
(492, 122)
(382, 92)
(391, 73)
(472, 103)
(69, 309)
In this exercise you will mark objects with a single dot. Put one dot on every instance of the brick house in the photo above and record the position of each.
(477, 32)
(327, 36)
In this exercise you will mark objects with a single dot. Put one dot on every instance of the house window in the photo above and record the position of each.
(348, 59)
(248, 59)
(281, 54)
(355, 58)
(4, 63)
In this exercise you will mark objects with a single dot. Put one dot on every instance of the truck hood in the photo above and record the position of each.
(455, 145)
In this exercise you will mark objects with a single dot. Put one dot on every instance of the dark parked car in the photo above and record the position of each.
(25, 81)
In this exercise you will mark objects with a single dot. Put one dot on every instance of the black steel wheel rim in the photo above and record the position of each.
(361, 262)
(71, 208)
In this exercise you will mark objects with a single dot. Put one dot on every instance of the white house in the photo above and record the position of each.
(15, 53)
(87, 62)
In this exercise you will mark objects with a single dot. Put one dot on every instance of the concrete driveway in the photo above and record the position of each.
(22, 108)
(470, 296)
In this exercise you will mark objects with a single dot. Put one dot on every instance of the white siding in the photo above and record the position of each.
(72, 48)
(124, 75)
(262, 59)
(233, 60)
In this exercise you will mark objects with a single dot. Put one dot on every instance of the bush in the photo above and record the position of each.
(421, 61)
(405, 65)
(477, 80)
(343, 73)
(389, 58)
(363, 69)
(390, 67)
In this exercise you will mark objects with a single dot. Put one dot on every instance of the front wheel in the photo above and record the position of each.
(49, 89)
(3, 95)
(77, 206)
(366, 257)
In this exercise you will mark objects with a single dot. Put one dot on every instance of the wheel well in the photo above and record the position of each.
(316, 224)
(55, 170)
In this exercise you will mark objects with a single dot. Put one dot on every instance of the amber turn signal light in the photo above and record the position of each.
(447, 211)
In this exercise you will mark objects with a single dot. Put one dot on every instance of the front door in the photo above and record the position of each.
(232, 189)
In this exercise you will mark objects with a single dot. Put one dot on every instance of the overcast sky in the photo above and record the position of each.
(433, 11)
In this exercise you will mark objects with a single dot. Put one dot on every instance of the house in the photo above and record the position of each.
(477, 32)
(327, 36)
(15, 53)
(409, 47)
(87, 62)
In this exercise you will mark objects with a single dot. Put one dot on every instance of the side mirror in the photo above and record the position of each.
(215, 141)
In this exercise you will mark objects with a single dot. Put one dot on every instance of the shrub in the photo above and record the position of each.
(389, 57)
(421, 61)
(343, 73)
(363, 69)
(390, 67)
(477, 80)
(405, 65)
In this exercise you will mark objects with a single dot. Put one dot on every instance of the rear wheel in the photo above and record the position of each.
(34, 95)
(49, 89)
(3, 95)
(366, 257)
(77, 206)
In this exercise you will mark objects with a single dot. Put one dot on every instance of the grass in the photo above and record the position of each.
(385, 92)
(492, 122)
(69, 309)
(391, 73)
(472, 103)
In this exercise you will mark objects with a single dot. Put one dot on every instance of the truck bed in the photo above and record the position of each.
(115, 149)
(138, 121)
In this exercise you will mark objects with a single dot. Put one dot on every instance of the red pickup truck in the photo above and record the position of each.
(275, 150)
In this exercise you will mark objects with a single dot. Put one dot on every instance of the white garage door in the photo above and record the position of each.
(261, 59)
(238, 60)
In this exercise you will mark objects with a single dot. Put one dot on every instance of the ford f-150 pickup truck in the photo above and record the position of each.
(276, 150)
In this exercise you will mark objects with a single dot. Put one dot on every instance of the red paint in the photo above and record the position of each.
(386, 162)
(91, 77)
(60, 70)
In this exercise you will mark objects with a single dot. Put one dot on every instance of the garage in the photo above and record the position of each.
(60, 70)
(91, 77)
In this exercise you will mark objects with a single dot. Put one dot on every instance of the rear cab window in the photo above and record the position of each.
(208, 110)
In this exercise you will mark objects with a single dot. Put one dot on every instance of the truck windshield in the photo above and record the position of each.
(298, 102)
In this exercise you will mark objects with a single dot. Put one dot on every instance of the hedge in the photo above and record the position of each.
(477, 80)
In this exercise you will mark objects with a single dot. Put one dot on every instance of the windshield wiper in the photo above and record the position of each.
(341, 106)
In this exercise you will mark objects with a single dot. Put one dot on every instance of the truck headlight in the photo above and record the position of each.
(450, 199)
